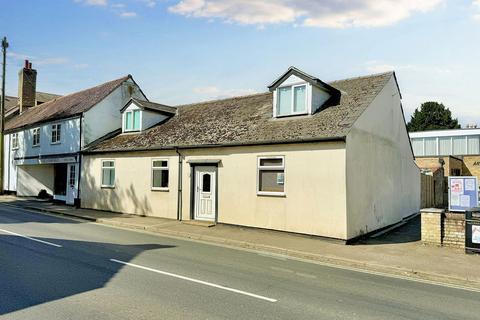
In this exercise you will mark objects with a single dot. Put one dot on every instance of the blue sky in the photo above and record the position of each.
(191, 50)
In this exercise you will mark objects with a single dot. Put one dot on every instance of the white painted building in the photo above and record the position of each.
(43, 143)
(457, 142)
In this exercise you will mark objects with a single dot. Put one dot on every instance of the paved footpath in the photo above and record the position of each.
(54, 268)
(399, 252)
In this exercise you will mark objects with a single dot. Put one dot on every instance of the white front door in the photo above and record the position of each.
(72, 175)
(205, 193)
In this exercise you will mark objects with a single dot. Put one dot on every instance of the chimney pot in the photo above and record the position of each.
(26, 64)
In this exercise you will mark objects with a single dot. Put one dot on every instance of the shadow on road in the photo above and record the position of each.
(33, 273)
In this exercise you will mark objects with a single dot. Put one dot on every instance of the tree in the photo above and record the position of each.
(432, 116)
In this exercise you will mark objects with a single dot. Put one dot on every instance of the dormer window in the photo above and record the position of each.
(138, 115)
(292, 100)
(298, 93)
(132, 120)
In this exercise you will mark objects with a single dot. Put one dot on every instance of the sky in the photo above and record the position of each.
(194, 50)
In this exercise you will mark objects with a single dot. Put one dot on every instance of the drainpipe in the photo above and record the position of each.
(78, 204)
(179, 200)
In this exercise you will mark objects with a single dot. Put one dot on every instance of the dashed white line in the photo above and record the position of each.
(195, 280)
(30, 238)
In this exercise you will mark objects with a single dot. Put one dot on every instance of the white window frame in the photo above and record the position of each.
(58, 133)
(35, 131)
(271, 168)
(114, 170)
(292, 100)
(140, 115)
(70, 183)
(15, 144)
(160, 169)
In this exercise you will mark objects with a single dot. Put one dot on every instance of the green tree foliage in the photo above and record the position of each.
(432, 116)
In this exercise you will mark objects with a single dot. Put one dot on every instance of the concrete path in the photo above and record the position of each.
(399, 252)
(57, 268)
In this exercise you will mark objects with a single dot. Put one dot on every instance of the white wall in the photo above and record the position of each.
(319, 97)
(383, 182)
(32, 179)
(105, 117)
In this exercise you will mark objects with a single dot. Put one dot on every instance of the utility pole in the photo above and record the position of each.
(2, 112)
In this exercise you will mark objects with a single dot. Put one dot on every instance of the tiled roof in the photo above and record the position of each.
(42, 97)
(65, 106)
(248, 120)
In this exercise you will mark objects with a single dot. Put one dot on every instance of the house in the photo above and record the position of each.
(325, 159)
(42, 142)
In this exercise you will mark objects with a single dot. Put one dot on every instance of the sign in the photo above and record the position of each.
(475, 234)
(462, 193)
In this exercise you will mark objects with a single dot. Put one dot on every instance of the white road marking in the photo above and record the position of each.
(195, 280)
(30, 238)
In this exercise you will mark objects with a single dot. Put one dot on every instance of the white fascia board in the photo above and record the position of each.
(445, 133)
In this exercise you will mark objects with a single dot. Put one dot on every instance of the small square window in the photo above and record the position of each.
(271, 176)
(36, 137)
(14, 141)
(159, 175)
(56, 132)
(108, 173)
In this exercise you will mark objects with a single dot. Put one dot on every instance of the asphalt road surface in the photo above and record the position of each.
(56, 268)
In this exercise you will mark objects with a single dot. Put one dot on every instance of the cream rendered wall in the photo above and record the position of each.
(32, 179)
(132, 193)
(315, 186)
(383, 181)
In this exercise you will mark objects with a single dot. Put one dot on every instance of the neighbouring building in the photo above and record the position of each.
(330, 160)
(43, 140)
(457, 150)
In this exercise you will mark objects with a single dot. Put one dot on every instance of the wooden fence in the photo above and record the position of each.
(427, 190)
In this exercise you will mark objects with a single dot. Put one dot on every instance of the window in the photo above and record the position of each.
(159, 175)
(459, 145)
(56, 132)
(445, 146)
(71, 178)
(473, 145)
(417, 145)
(271, 176)
(132, 120)
(292, 100)
(14, 141)
(36, 137)
(206, 182)
(108, 173)
(430, 146)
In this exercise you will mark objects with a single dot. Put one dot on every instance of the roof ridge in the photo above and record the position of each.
(363, 77)
(77, 92)
(223, 99)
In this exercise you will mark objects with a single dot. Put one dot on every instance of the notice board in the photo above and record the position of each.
(462, 193)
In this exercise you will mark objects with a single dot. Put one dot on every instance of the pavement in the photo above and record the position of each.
(398, 252)
(54, 267)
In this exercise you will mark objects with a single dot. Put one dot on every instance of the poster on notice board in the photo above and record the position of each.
(462, 193)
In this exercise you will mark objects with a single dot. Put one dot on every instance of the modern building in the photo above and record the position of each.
(458, 150)
(42, 141)
(325, 159)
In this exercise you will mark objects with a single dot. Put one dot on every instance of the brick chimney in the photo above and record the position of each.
(27, 86)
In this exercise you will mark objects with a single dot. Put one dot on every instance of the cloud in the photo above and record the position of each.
(38, 60)
(217, 93)
(93, 2)
(127, 14)
(379, 67)
(312, 13)
(476, 8)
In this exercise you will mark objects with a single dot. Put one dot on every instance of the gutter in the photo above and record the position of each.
(179, 196)
(79, 205)
(259, 143)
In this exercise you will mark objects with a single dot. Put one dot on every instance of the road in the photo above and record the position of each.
(57, 268)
